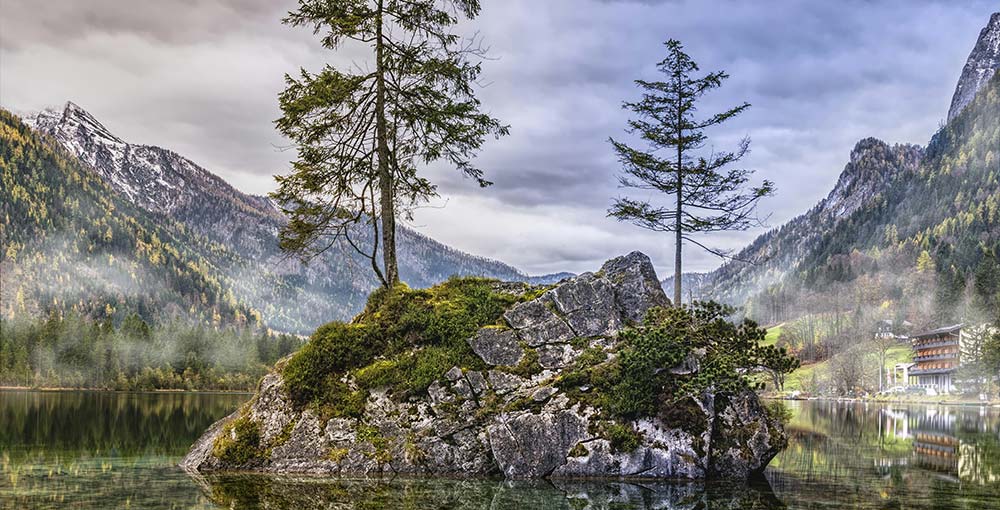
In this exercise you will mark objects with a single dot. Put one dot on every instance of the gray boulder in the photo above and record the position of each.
(588, 304)
(635, 285)
(497, 346)
(527, 445)
(537, 324)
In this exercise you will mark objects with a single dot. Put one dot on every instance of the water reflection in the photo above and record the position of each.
(102, 450)
(890, 456)
(108, 450)
(86, 423)
(255, 491)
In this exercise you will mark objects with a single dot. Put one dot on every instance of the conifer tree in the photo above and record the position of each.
(362, 130)
(707, 198)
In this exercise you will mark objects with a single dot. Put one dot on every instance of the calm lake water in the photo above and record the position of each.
(112, 450)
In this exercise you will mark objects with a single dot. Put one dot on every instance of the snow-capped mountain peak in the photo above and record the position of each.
(72, 118)
(150, 177)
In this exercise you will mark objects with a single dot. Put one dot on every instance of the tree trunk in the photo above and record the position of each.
(386, 202)
(677, 253)
(677, 221)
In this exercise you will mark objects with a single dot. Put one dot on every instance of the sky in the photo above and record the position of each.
(202, 78)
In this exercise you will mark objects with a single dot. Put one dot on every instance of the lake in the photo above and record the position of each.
(71, 450)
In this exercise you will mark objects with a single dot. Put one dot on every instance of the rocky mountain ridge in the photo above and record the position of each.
(872, 165)
(983, 62)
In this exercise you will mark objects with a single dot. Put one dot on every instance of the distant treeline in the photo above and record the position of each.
(79, 352)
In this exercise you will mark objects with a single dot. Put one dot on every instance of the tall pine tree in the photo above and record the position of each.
(362, 130)
(707, 198)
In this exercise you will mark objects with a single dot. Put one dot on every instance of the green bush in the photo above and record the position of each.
(579, 451)
(332, 349)
(623, 438)
(666, 338)
(644, 354)
(239, 442)
(404, 340)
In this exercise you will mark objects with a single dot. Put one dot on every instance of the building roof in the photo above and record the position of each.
(947, 330)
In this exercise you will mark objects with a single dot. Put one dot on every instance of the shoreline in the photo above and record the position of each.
(924, 401)
(58, 389)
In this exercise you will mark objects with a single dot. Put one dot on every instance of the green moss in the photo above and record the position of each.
(341, 402)
(536, 292)
(489, 405)
(381, 444)
(414, 371)
(284, 435)
(579, 451)
(403, 340)
(553, 308)
(527, 367)
(337, 454)
(623, 438)
(378, 374)
(412, 450)
(239, 443)
(526, 403)
(590, 379)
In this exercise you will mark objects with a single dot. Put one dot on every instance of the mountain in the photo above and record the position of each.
(910, 231)
(549, 279)
(770, 257)
(692, 283)
(71, 243)
(291, 296)
(982, 64)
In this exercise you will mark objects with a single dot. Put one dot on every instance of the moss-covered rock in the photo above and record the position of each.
(475, 377)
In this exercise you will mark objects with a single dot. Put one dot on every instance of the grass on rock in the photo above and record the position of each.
(403, 340)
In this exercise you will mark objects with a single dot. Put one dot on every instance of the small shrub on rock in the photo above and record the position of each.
(239, 443)
(701, 334)
(623, 438)
(332, 349)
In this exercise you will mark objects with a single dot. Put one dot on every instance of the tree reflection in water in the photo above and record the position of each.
(113, 450)
(300, 492)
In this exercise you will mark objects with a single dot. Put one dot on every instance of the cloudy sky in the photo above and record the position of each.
(201, 78)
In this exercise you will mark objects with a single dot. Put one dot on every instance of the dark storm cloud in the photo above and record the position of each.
(202, 77)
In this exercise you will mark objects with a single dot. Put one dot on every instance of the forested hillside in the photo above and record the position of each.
(290, 295)
(72, 244)
(95, 293)
(924, 249)
(908, 233)
(773, 256)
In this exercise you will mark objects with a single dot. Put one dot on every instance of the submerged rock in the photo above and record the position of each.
(510, 419)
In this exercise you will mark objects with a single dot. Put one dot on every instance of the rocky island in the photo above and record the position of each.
(596, 376)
